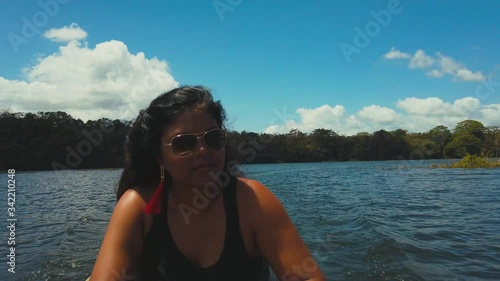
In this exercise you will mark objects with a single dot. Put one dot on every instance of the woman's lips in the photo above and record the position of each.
(204, 167)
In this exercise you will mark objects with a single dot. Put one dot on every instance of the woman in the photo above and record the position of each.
(182, 212)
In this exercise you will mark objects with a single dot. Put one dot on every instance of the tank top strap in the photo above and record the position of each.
(231, 210)
(236, 257)
(149, 264)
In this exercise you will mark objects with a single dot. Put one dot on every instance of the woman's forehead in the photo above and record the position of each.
(193, 121)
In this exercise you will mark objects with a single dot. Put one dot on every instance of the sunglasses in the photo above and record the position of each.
(184, 145)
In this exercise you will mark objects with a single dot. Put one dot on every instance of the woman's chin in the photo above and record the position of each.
(202, 176)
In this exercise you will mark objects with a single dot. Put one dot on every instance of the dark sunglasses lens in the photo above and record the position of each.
(215, 139)
(184, 145)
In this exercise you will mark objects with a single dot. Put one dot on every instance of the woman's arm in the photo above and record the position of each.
(277, 238)
(122, 244)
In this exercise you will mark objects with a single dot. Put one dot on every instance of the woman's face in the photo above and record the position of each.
(202, 166)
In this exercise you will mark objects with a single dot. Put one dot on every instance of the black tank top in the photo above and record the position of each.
(162, 260)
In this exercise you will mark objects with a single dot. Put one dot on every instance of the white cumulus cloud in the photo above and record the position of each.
(89, 83)
(466, 106)
(448, 65)
(321, 117)
(434, 106)
(491, 113)
(428, 106)
(394, 54)
(420, 60)
(467, 75)
(435, 73)
(66, 33)
(414, 115)
(442, 65)
(378, 114)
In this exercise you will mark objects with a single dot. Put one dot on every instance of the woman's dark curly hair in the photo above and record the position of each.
(143, 142)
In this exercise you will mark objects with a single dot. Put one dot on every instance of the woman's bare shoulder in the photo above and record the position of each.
(132, 206)
(122, 243)
(139, 195)
(254, 194)
(249, 184)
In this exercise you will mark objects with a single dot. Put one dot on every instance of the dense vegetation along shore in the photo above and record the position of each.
(55, 140)
(471, 161)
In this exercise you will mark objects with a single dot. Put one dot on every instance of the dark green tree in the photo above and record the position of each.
(468, 137)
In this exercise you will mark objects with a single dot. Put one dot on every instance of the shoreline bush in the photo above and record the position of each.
(471, 162)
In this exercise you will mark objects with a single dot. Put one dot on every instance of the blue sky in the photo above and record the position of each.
(275, 65)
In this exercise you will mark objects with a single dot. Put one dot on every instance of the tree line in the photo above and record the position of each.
(55, 140)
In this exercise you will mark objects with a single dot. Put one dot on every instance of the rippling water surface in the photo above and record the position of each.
(397, 220)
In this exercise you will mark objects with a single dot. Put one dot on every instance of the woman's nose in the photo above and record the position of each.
(201, 149)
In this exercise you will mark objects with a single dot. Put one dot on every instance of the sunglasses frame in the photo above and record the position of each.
(198, 137)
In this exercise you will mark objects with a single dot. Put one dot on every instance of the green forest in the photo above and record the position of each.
(55, 140)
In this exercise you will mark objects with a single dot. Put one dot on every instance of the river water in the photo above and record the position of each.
(392, 220)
